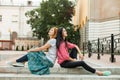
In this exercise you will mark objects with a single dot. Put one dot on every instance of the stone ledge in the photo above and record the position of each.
(56, 77)
(57, 70)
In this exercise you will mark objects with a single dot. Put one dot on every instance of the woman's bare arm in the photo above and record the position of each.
(80, 54)
(46, 46)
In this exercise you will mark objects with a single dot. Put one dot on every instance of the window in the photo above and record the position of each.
(29, 3)
(14, 18)
(0, 18)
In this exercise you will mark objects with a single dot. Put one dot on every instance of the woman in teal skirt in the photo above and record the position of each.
(39, 62)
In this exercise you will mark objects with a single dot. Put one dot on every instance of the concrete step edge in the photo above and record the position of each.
(56, 77)
(80, 70)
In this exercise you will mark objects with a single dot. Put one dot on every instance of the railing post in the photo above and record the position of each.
(98, 57)
(102, 49)
(89, 49)
(112, 59)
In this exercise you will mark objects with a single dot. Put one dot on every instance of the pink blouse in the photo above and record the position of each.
(62, 52)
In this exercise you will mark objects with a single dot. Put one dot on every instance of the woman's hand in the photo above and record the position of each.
(28, 51)
(74, 59)
(81, 56)
(71, 59)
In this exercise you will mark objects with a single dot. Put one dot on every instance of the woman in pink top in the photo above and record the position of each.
(67, 60)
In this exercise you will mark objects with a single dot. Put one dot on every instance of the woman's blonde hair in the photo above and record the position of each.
(55, 31)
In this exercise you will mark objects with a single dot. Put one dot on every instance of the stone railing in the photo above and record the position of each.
(25, 44)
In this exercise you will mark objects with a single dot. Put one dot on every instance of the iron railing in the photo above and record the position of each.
(107, 45)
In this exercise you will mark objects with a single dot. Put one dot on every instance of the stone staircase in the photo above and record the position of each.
(57, 73)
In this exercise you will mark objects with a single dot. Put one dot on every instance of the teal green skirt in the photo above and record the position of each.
(38, 63)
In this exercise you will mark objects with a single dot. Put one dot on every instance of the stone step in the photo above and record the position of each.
(58, 70)
(4, 76)
(7, 55)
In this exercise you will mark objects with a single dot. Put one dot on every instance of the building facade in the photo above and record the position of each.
(103, 18)
(13, 23)
(13, 19)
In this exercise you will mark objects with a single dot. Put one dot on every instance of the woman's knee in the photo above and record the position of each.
(82, 62)
(74, 49)
(73, 53)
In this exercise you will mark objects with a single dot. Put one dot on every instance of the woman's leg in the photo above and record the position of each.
(22, 59)
(73, 53)
(70, 64)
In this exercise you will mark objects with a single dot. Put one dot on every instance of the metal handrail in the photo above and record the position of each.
(109, 45)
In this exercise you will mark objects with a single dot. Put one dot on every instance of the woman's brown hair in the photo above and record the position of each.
(55, 31)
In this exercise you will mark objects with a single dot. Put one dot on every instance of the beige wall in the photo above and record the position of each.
(102, 9)
(105, 13)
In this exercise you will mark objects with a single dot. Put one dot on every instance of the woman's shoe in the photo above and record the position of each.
(18, 64)
(106, 73)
